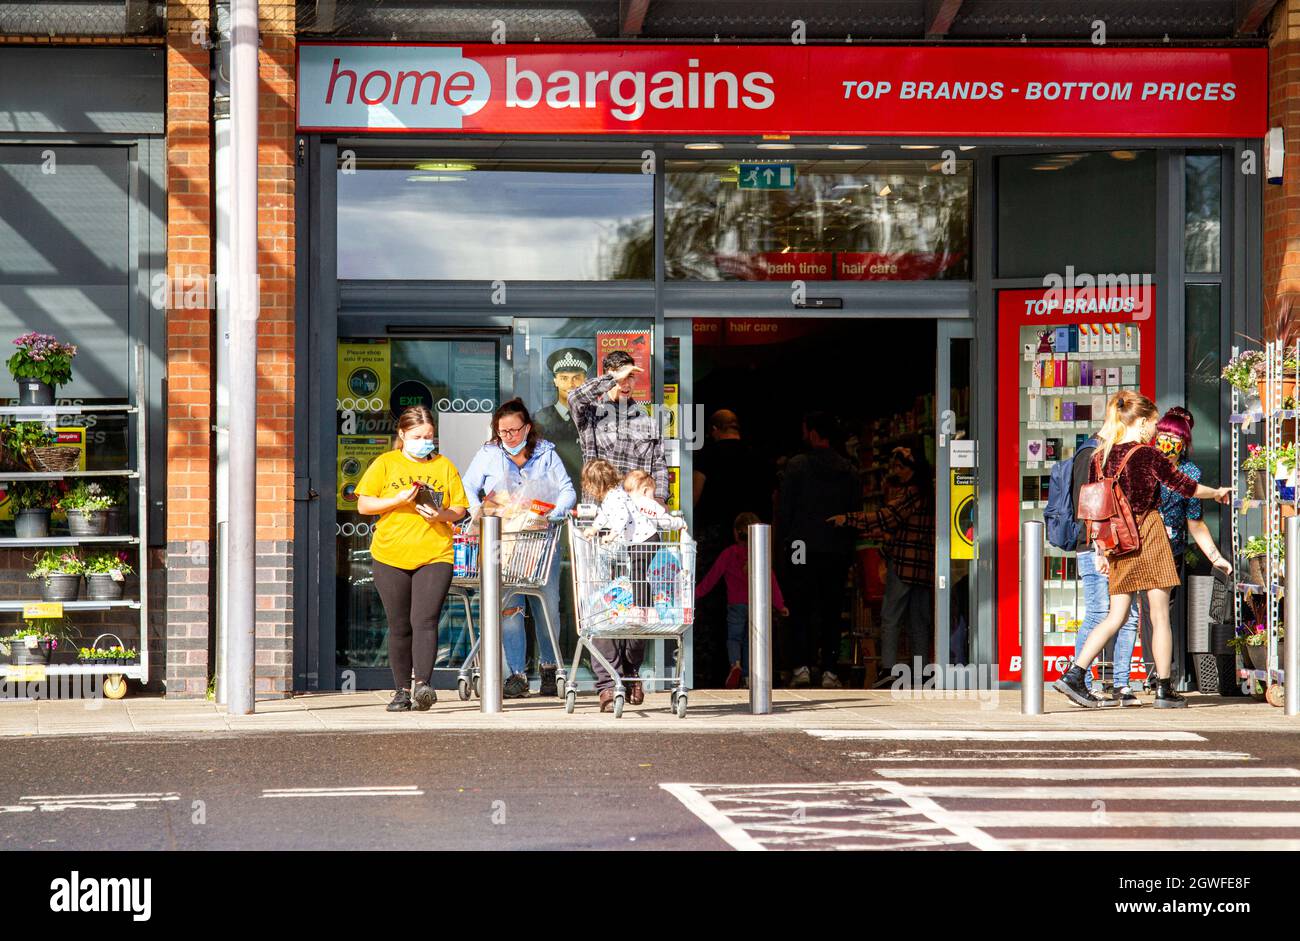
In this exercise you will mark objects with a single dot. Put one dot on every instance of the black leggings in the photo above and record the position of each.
(412, 601)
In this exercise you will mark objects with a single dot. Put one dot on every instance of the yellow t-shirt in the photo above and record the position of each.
(403, 538)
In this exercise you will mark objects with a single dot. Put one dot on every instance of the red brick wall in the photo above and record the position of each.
(1281, 244)
(190, 361)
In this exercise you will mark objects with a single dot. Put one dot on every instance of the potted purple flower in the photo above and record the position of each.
(40, 364)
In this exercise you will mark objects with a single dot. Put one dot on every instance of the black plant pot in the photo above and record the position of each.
(1258, 657)
(103, 588)
(35, 392)
(60, 587)
(32, 523)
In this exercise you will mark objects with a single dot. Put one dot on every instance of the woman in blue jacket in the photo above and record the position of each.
(513, 457)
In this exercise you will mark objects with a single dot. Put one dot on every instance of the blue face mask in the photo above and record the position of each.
(516, 449)
(421, 448)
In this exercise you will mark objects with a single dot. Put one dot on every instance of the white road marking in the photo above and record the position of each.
(1096, 820)
(1101, 792)
(1249, 845)
(1010, 735)
(733, 835)
(378, 790)
(1027, 754)
(1091, 774)
(129, 801)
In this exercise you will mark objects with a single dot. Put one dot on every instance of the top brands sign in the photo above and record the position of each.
(718, 90)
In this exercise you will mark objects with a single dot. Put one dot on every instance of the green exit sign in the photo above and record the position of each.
(766, 176)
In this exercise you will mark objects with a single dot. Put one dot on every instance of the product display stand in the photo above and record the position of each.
(1275, 421)
(115, 674)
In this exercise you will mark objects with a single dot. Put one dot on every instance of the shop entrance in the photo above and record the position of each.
(461, 376)
(877, 385)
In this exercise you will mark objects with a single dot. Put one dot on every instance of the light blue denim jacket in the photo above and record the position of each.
(492, 469)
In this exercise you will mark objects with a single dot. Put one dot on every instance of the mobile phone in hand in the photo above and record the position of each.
(426, 496)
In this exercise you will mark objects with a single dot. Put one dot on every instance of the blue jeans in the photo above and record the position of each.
(1096, 604)
(513, 635)
(738, 636)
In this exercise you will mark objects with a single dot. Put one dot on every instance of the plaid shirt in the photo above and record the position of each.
(906, 527)
(622, 433)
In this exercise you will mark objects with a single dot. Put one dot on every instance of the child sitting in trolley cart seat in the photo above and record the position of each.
(650, 514)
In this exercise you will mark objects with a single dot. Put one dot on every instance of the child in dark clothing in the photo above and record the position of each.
(732, 567)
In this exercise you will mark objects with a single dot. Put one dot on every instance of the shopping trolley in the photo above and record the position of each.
(631, 591)
(526, 559)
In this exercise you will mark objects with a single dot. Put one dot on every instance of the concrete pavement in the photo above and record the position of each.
(709, 711)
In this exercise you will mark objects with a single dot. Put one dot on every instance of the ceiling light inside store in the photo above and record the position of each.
(967, 147)
(847, 147)
(776, 146)
(885, 190)
(447, 167)
(919, 147)
(435, 178)
(703, 146)
(1124, 154)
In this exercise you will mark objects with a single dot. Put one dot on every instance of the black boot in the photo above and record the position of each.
(1167, 697)
(401, 701)
(1071, 684)
(422, 696)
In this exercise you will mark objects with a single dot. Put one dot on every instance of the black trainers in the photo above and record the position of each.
(1071, 684)
(1167, 697)
(401, 701)
(549, 686)
(1123, 696)
(516, 687)
(423, 696)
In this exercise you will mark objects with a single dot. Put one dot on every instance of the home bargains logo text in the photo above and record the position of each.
(754, 90)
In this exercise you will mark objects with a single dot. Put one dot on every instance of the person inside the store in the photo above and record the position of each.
(1182, 515)
(729, 477)
(614, 427)
(568, 369)
(515, 459)
(1126, 456)
(904, 527)
(816, 486)
(412, 548)
(1096, 601)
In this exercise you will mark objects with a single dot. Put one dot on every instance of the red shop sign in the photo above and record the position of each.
(718, 90)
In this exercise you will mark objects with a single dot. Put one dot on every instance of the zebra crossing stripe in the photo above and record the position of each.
(1128, 819)
(733, 834)
(377, 790)
(1120, 846)
(1008, 735)
(1097, 792)
(1090, 774)
(1026, 754)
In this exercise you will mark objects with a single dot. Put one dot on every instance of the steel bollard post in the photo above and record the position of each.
(1290, 644)
(760, 619)
(1031, 618)
(489, 651)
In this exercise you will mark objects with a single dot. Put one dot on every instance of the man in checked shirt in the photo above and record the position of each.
(614, 427)
(905, 528)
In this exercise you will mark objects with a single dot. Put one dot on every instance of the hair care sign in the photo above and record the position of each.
(718, 90)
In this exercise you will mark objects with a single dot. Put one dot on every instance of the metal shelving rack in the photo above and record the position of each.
(1273, 418)
(138, 410)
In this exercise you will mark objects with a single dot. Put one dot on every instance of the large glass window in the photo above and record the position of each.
(1204, 387)
(827, 220)
(1203, 212)
(1094, 211)
(435, 218)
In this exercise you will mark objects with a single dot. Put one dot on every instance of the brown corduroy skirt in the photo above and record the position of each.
(1152, 566)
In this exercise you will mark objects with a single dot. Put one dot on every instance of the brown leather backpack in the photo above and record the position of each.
(1105, 510)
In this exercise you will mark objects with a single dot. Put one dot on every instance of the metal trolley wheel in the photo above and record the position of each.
(114, 686)
(1276, 695)
(570, 700)
(679, 704)
(618, 705)
(462, 688)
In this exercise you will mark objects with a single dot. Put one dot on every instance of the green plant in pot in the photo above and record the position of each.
(1244, 370)
(60, 573)
(1258, 467)
(32, 501)
(37, 639)
(1251, 641)
(106, 575)
(1256, 551)
(40, 365)
(116, 489)
(86, 504)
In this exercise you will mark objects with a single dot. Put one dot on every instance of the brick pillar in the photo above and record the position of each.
(190, 387)
(275, 359)
(1281, 264)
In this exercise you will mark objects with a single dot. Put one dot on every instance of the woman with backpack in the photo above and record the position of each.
(1137, 471)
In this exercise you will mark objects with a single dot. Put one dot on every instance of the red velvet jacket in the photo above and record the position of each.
(1141, 480)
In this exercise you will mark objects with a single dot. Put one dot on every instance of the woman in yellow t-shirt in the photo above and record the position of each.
(411, 550)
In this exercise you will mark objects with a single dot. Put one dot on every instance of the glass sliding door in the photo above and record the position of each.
(459, 378)
(956, 520)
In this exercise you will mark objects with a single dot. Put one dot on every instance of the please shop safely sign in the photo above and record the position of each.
(718, 90)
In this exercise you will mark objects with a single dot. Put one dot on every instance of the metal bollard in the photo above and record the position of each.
(760, 619)
(1031, 618)
(489, 651)
(1290, 645)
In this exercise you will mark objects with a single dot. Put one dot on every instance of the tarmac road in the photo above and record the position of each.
(509, 790)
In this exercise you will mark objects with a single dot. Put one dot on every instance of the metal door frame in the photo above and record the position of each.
(946, 332)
